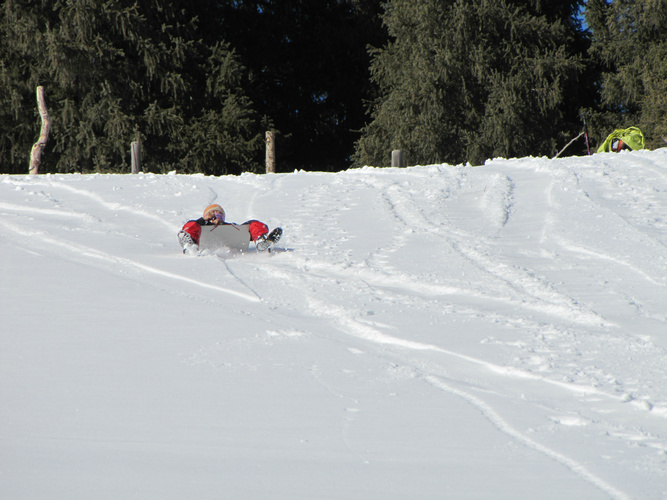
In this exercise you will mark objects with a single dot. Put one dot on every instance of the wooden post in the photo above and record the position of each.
(36, 153)
(270, 152)
(397, 158)
(135, 151)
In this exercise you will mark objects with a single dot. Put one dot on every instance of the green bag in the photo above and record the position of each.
(631, 137)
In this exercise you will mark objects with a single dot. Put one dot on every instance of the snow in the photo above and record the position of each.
(430, 332)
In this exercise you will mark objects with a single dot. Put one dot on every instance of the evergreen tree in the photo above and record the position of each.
(420, 99)
(465, 81)
(308, 63)
(115, 71)
(630, 40)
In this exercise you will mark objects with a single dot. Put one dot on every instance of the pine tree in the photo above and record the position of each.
(224, 133)
(308, 67)
(630, 40)
(465, 81)
(119, 70)
(420, 101)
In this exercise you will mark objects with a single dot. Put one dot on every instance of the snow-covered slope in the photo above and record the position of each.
(431, 332)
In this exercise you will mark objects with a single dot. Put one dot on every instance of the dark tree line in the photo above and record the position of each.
(309, 72)
(115, 71)
(341, 82)
(466, 81)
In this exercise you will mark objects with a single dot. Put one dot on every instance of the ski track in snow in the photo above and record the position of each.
(330, 275)
(111, 206)
(501, 424)
(91, 222)
(534, 293)
(354, 327)
(83, 251)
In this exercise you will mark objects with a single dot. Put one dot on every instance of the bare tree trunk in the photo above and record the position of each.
(36, 153)
(270, 152)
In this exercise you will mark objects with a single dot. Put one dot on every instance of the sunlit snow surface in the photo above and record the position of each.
(426, 333)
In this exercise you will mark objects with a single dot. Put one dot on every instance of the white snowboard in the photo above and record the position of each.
(230, 236)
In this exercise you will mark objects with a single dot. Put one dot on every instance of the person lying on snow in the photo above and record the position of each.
(188, 237)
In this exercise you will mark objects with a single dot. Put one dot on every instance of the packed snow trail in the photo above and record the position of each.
(431, 331)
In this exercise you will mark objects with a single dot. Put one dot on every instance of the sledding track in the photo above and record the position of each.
(529, 301)
(484, 284)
